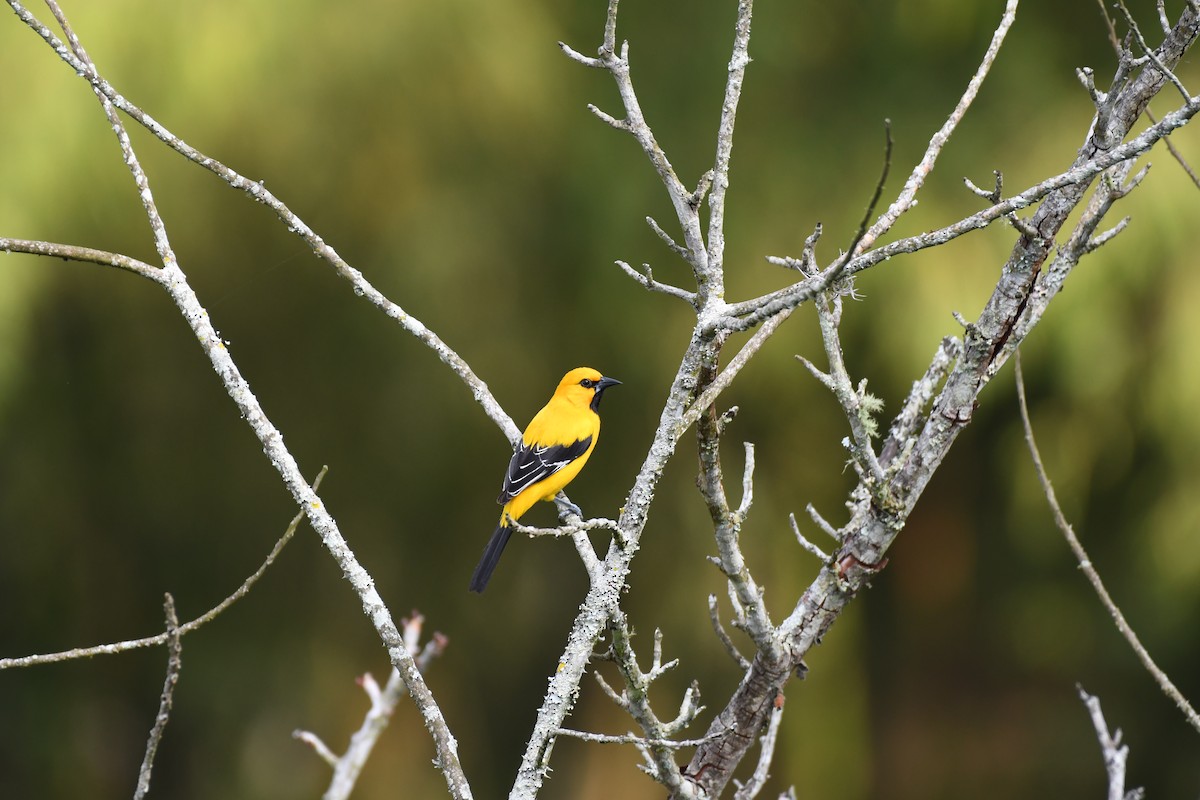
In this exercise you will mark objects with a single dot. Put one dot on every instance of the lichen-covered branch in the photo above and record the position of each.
(919, 441)
(658, 745)
(700, 357)
(348, 766)
(727, 525)
(174, 281)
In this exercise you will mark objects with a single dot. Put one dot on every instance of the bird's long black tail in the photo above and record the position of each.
(491, 556)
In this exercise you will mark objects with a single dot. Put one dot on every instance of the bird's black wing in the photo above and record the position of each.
(532, 463)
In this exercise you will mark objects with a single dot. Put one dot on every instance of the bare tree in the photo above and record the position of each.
(892, 468)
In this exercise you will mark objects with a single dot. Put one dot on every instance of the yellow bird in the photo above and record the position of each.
(556, 445)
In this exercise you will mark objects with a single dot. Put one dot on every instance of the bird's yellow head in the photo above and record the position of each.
(583, 386)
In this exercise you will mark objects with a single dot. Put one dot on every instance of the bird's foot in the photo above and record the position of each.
(566, 508)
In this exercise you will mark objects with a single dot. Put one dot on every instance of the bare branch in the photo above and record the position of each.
(617, 64)
(1087, 77)
(676, 248)
(911, 416)
(747, 314)
(1089, 570)
(747, 483)
(187, 627)
(629, 738)
(157, 226)
(907, 198)
(176, 285)
(1115, 754)
(857, 405)
(1083, 240)
(721, 382)
(258, 192)
(991, 195)
(823, 524)
(1163, 22)
(987, 342)
(1116, 45)
(1108, 24)
(805, 543)
(646, 278)
(1106, 237)
(87, 255)
(807, 263)
(714, 616)
(1149, 51)
(621, 700)
(174, 664)
(636, 701)
(580, 58)
(720, 171)
(861, 233)
(318, 746)
(727, 525)
(348, 766)
(609, 119)
(570, 529)
(816, 281)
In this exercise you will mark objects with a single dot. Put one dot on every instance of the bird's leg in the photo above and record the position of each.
(566, 508)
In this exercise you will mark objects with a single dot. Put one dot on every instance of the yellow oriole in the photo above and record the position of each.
(556, 445)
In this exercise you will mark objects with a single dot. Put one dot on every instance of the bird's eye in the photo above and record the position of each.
(587, 383)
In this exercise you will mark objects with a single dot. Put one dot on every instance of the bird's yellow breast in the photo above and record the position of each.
(561, 421)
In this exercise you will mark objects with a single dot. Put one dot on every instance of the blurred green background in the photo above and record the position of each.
(444, 149)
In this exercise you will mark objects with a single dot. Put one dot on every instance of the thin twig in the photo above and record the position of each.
(676, 248)
(646, 278)
(157, 227)
(856, 244)
(805, 543)
(726, 376)
(720, 171)
(570, 529)
(857, 405)
(1168, 73)
(1108, 23)
(617, 64)
(1085, 564)
(174, 664)
(635, 701)
(1115, 754)
(924, 167)
(69, 252)
(823, 523)
(714, 615)
(187, 627)
(1116, 45)
(743, 315)
(630, 738)
(318, 746)
(1174, 151)
(727, 524)
(348, 766)
(259, 193)
(238, 388)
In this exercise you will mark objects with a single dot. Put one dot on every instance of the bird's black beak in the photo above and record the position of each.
(601, 385)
